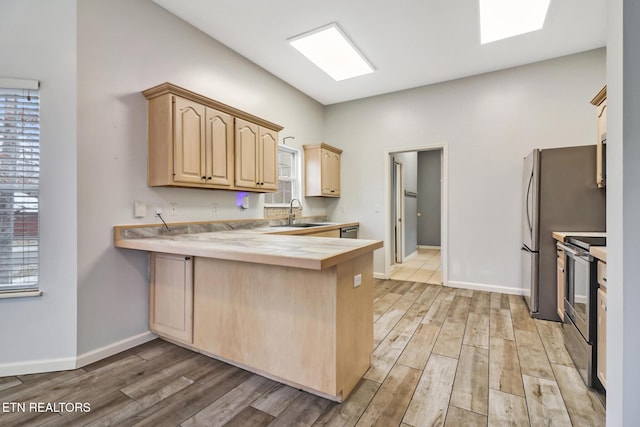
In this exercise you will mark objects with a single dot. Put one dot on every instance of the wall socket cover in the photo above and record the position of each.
(139, 209)
(357, 280)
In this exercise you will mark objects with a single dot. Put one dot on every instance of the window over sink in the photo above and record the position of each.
(288, 178)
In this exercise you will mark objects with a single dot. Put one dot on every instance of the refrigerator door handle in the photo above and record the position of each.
(527, 206)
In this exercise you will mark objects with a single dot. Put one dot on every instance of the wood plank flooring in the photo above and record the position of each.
(443, 357)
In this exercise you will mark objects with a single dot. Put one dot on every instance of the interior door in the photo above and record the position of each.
(399, 211)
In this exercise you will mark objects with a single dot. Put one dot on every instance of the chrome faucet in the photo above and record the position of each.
(292, 216)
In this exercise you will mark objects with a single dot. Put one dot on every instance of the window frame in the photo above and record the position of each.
(297, 178)
(25, 186)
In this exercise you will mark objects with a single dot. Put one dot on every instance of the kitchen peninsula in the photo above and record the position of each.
(293, 308)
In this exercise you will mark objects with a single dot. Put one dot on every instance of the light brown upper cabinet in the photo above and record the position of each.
(194, 142)
(600, 101)
(256, 153)
(322, 170)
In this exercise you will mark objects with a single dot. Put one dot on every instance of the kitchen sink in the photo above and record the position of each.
(302, 225)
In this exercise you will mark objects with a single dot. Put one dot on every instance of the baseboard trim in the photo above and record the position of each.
(379, 276)
(37, 366)
(411, 255)
(111, 349)
(428, 247)
(485, 287)
(69, 363)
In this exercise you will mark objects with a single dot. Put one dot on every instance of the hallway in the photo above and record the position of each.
(423, 266)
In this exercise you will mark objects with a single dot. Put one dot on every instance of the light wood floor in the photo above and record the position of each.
(424, 266)
(443, 357)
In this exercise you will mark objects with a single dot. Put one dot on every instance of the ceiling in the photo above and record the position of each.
(411, 43)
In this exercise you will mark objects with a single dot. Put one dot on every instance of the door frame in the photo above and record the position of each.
(444, 208)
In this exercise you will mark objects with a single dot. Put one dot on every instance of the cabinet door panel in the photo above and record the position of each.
(188, 141)
(269, 154)
(246, 148)
(602, 337)
(560, 283)
(219, 147)
(171, 305)
(330, 173)
(334, 173)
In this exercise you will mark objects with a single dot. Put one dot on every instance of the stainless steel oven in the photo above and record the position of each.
(580, 287)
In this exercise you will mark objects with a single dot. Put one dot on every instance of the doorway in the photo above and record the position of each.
(417, 225)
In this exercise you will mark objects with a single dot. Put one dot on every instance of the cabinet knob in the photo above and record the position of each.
(209, 177)
(204, 177)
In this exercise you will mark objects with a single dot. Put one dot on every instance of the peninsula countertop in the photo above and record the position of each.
(258, 245)
(599, 252)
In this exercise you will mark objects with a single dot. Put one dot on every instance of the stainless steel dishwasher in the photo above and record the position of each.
(349, 232)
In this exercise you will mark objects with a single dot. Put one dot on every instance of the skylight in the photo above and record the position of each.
(500, 19)
(330, 49)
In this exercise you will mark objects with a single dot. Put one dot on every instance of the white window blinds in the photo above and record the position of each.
(19, 184)
(288, 177)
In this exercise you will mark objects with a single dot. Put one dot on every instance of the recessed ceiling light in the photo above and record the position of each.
(330, 49)
(500, 19)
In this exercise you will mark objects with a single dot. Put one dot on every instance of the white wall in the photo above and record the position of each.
(125, 47)
(490, 122)
(39, 333)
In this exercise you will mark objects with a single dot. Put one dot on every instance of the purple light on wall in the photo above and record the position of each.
(240, 197)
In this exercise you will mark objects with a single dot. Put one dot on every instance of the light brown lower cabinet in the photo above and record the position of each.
(171, 296)
(311, 329)
(602, 337)
(560, 282)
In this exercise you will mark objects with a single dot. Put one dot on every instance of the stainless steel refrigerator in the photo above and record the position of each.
(559, 194)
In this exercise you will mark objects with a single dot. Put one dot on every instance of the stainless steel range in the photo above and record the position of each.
(579, 328)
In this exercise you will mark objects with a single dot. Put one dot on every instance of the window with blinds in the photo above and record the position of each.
(288, 177)
(19, 184)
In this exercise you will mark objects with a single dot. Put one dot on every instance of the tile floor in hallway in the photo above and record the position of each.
(423, 266)
(443, 357)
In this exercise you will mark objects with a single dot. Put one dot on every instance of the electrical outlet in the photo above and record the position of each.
(139, 209)
(357, 280)
(214, 209)
(173, 209)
